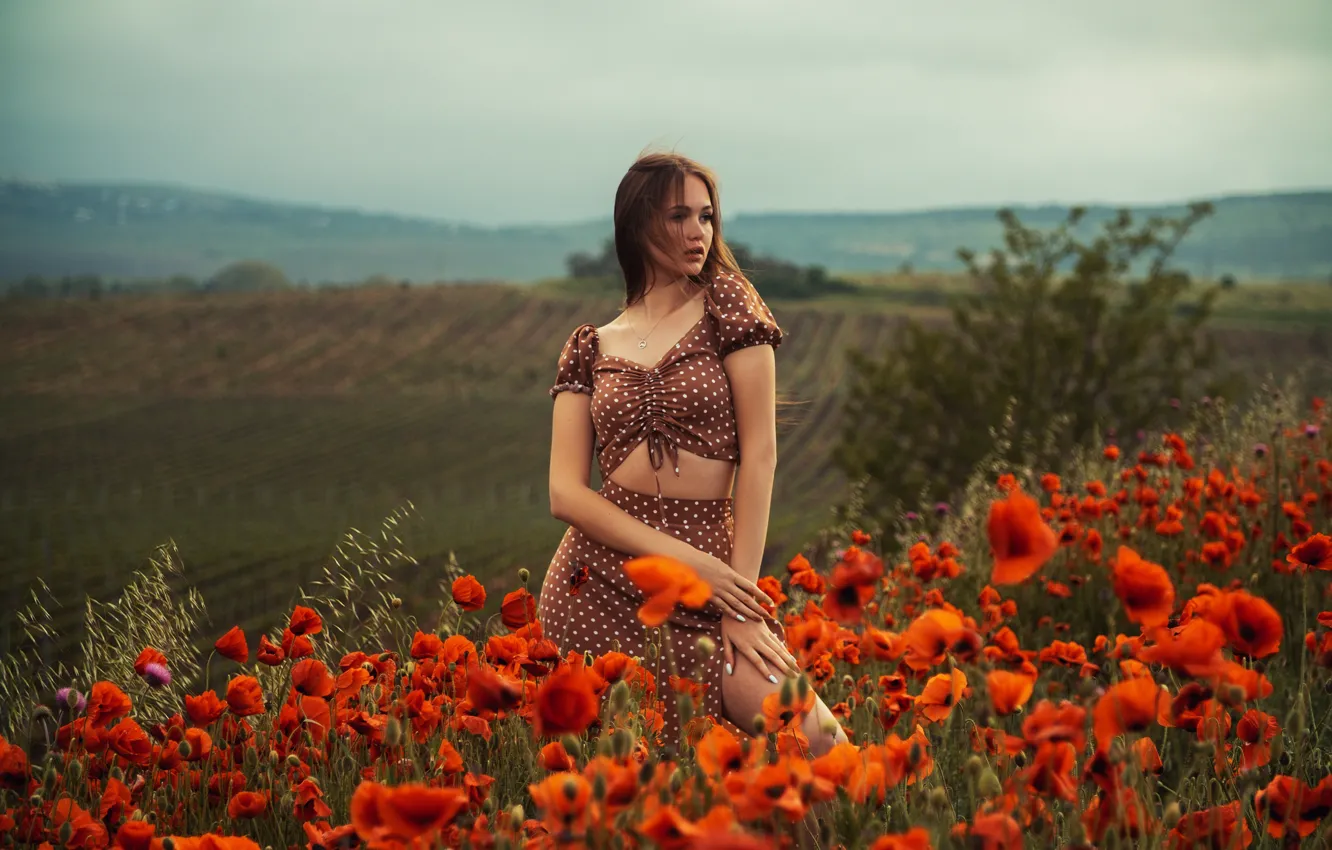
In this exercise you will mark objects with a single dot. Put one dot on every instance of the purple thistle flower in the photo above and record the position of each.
(941, 508)
(1311, 430)
(1175, 403)
(156, 675)
(1142, 435)
(1260, 449)
(912, 516)
(1206, 401)
(71, 699)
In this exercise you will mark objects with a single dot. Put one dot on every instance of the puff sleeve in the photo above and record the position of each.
(576, 361)
(742, 316)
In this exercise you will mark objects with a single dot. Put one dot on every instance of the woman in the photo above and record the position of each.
(683, 377)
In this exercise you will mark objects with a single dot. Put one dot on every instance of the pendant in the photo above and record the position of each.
(642, 344)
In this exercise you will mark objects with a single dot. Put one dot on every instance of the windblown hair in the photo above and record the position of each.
(651, 182)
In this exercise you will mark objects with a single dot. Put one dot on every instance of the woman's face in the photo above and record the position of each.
(688, 231)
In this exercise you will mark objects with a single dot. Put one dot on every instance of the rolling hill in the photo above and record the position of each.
(125, 231)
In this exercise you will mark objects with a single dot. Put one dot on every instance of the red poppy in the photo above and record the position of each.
(1008, 691)
(204, 708)
(566, 702)
(311, 678)
(665, 581)
(149, 655)
(1020, 540)
(469, 593)
(269, 653)
(106, 703)
(244, 696)
(305, 621)
(1313, 554)
(1132, 705)
(247, 804)
(518, 609)
(1144, 588)
(232, 645)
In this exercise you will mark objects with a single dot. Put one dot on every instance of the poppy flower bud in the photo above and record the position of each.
(294, 760)
(829, 727)
(622, 743)
(273, 757)
(677, 781)
(760, 724)
(598, 787)
(168, 844)
(787, 694)
(116, 773)
(939, 797)
(392, 732)
(1170, 819)
(1278, 747)
(184, 749)
(619, 696)
(35, 800)
(988, 785)
(646, 771)
(872, 705)
(572, 745)
(685, 704)
(706, 646)
(49, 778)
(802, 688)
(488, 805)
(524, 575)
(75, 770)
(395, 602)
(604, 746)
(974, 765)
(66, 832)
(516, 813)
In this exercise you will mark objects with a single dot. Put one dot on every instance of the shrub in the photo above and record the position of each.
(1057, 339)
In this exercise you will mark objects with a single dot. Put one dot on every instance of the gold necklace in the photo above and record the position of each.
(642, 340)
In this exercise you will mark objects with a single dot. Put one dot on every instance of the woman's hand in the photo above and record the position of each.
(734, 594)
(755, 641)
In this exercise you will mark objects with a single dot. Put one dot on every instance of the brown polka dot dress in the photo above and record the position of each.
(681, 402)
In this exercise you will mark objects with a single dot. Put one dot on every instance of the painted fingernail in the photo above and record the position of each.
(730, 671)
(772, 678)
(740, 617)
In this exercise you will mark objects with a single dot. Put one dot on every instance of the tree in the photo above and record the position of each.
(249, 276)
(1058, 338)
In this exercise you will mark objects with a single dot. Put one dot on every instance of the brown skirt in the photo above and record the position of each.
(603, 612)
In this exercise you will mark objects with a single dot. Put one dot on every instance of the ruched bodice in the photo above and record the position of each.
(681, 402)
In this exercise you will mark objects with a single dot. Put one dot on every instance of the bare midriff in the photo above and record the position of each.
(699, 478)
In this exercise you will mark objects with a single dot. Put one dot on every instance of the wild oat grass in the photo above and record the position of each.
(984, 709)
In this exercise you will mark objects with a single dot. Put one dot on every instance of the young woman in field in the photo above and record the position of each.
(678, 393)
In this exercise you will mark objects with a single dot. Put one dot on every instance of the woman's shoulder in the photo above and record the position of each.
(742, 315)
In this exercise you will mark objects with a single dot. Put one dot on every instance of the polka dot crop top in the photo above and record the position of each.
(683, 401)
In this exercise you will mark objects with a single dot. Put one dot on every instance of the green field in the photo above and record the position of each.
(255, 429)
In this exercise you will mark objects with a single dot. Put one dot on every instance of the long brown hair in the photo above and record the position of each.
(653, 178)
(650, 181)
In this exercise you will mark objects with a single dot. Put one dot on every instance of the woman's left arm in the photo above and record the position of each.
(752, 372)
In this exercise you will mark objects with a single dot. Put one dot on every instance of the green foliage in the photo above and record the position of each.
(1057, 341)
(776, 278)
(249, 276)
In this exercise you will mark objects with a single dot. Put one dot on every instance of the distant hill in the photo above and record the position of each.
(147, 231)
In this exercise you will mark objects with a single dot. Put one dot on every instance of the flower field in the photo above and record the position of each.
(1134, 653)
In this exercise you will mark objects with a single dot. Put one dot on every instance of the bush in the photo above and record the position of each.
(249, 276)
(1057, 340)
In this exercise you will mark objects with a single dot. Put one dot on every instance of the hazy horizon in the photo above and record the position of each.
(526, 113)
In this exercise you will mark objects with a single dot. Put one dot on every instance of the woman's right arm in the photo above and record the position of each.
(573, 501)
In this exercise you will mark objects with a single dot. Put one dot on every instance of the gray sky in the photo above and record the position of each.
(507, 111)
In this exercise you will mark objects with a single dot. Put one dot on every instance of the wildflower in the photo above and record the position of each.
(1132, 705)
(518, 609)
(1144, 588)
(156, 675)
(567, 701)
(941, 509)
(940, 695)
(665, 581)
(1020, 540)
(71, 700)
(269, 653)
(247, 804)
(244, 696)
(469, 593)
(1260, 450)
(1313, 554)
(232, 646)
(1008, 691)
(107, 703)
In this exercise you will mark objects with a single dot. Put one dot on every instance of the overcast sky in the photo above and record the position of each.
(508, 112)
